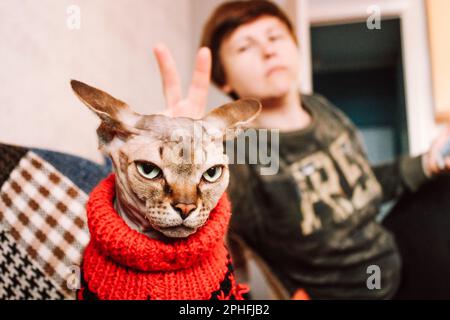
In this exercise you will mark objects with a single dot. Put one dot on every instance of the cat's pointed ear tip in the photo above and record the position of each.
(76, 85)
(255, 104)
(252, 101)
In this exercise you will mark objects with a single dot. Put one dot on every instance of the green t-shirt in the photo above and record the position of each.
(313, 222)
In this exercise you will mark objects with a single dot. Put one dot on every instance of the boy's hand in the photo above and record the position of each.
(431, 161)
(194, 105)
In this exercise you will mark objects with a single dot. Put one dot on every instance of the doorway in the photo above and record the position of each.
(361, 72)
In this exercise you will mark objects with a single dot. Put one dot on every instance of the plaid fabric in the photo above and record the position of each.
(44, 213)
(20, 278)
(9, 157)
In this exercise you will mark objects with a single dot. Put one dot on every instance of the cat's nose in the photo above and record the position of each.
(184, 210)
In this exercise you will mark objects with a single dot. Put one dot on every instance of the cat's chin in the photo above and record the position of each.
(177, 232)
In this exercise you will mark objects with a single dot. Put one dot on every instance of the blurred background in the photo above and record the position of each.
(383, 62)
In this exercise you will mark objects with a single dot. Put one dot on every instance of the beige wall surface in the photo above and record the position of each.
(438, 28)
(40, 53)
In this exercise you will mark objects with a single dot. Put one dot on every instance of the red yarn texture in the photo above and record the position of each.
(121, 263)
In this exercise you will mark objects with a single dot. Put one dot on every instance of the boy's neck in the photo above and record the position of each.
(285, 113)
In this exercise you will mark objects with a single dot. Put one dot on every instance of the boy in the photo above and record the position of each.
(313, 223)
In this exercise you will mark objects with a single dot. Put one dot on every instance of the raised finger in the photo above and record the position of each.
(198, 90)
(169, 75)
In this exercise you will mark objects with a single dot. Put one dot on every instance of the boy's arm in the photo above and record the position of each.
(404, 173)
(395, 177)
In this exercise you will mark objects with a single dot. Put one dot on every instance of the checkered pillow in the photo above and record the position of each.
(43, 230)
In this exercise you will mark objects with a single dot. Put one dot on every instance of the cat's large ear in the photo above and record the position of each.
(109, 109)
(116, 116)
(231, 117)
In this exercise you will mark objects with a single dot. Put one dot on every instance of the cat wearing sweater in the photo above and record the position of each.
(158, 223)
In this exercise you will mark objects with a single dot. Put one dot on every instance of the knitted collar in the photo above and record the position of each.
(127, 247)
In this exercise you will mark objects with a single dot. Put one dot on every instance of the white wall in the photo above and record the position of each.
(39, 55)
(201, 9)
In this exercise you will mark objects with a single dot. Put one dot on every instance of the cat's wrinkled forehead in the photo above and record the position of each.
(155, 122)
(174, 141)
(173, 129)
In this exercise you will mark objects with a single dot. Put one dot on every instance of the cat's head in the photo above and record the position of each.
(170, 172)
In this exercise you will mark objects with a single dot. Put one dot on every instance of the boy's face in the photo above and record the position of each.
(260, 59)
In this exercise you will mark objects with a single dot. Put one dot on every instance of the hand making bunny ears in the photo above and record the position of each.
(194, 104)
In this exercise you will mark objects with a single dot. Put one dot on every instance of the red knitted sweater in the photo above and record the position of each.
(121, 263)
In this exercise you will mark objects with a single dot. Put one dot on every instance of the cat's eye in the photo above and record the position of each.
(148, 170)
(213, 173)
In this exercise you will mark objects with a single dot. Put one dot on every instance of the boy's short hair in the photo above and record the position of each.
(227, 18)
